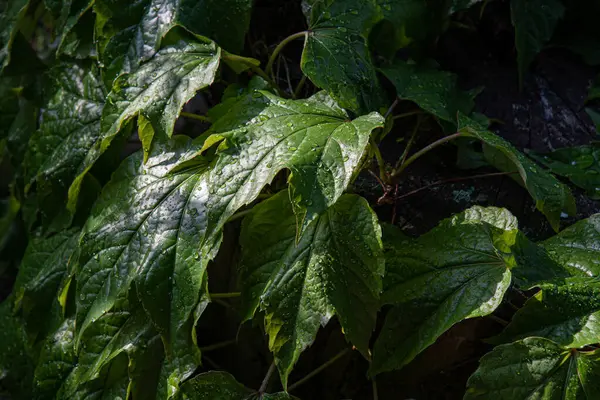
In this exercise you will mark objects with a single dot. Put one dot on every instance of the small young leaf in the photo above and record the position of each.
(568, 315)
(335, 268)
(581, 165)
(551, 196)
(534, 22)
(578, 247)
(535, 368)
(436, 92)
(218, 385)
(458, 270)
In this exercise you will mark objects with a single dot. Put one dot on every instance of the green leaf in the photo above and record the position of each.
(67, 143)
(218, 385)
(76, 22)
(10, 90)
(131, 33)
(337, 60)
(113, 383)
(551, 196)
(534, 22)
(435, 91)
(581, 165)
(224, 21)
(16, 361)
(568, 314)
(595, 117)
(334, 268)
(22, 128)
(11, 14)
(458, 270)
(535, 368)
(158, 89)
(57, 360)
(43, 270)
(578, 247)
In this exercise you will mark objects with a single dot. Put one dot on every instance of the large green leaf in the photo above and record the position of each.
(536, 368)
(578, 247)
(42, 272)
(71, 25)
(334, 268)
(551, 196)
(435, 91)
(568, 315)
(131, 33)
(217, 385)
(534, 22)
(336, 57)
(581, 165)
(11, 15)
(458, 270)
(68, 141)
(159, 88)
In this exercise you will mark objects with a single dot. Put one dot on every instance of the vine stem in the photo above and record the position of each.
(280, 47)
(389, 110)
(265, 382)
(423, 151)
(299, 87)
(318, 370)
(410, 142)
(225, 295)
(239, 215)
(217, 346)
(257, 70)
(380, 161)
(195, 116)
(375, 393)
(466, 178)
(408, 114)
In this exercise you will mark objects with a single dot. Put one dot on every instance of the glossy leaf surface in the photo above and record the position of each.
(578, 247)
(10, 17)
(68, 142)
(551, 196)
(458, 270)
(535, 368)
(159, 88)
(569, 315)
(581, 165)
(336, 267)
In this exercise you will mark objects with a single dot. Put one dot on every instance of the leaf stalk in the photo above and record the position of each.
(280, 46)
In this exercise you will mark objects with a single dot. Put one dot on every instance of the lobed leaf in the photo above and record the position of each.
(535, 368)
(335, 267)
(458, 270)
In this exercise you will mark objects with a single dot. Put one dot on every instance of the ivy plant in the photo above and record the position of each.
(127, 198)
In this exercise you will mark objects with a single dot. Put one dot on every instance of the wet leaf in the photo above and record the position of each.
(458, 270)
(567, 314)
(578, 247)
(581, 165)
(551, 196)
(535, 368)
(435, 91)
(335, 268)
(158, 89)
(218, 385)
(68, 141)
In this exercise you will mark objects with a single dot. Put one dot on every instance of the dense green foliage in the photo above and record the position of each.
(115, 277)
